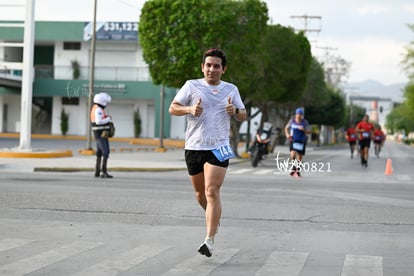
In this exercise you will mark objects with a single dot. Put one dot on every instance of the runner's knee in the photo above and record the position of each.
(212, 191)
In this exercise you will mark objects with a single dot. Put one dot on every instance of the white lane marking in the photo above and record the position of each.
(122, 262)
(264, 171)
(362, 265)
(283, 263)
(7, 244)
(240, 171)
(30, 264)
(201, 265)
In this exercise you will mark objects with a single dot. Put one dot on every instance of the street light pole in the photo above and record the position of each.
(27, 80)
(91, 80)
(162, 94)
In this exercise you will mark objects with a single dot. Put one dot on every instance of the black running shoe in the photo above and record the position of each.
(206, 248)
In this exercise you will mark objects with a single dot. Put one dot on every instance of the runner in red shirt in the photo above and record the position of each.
(351, 136)
(379, 139)
(366, 132)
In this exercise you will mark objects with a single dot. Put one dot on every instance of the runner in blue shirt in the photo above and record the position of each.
(296, 131)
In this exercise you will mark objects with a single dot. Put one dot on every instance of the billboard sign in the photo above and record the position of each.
(126, 31)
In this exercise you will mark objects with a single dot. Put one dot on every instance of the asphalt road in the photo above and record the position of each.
(338, 219)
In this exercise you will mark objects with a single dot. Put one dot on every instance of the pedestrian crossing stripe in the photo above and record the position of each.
(264, 171)
(240, 171)
(289, 263)
(7, 244)
(30, 264)
(403, 177)
(283, 263)
(197, 265)
(124, 261)
(252, 171)
(361, 265)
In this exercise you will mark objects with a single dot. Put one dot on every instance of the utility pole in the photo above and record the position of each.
(307, 21)
(91, 81)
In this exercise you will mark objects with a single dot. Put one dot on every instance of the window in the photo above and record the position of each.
(70, 101)
(71, 46)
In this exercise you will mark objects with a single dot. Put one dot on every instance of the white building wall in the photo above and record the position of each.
(121, 110)
(77, 116)
(178, 127)
(13, 113)
(63, 59)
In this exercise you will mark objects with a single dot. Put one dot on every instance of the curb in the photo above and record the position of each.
(38, 154)
(114, 169)
(152, 143)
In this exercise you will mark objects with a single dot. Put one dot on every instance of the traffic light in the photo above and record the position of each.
(380, 109)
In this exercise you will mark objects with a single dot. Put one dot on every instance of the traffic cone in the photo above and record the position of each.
(388, 167)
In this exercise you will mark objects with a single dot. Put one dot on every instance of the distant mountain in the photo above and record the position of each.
(372, 88)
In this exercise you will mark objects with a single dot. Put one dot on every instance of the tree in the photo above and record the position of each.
(408, 61)
(174, 33)
(284, 63)
(354, 113)
(332, 113)
(400, 118)
(316, 92)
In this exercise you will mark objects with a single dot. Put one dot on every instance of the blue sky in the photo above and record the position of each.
(371, 35)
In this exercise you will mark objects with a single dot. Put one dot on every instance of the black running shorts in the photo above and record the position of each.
(364, 143)
(301, 152)
(195, 160)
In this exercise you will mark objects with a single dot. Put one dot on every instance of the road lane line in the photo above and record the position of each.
(30, 264)
(362, 265)
(283, 263)
(264, 171)
(7, 244)
(123, 262)
(240, 171)
(200, 265)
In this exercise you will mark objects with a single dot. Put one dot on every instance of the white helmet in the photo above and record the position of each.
(102, 99)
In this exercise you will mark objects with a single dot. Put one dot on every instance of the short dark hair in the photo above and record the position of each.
(215, 52)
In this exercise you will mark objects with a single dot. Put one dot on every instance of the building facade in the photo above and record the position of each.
(62, 62)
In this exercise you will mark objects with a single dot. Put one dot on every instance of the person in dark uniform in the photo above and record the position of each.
(100, 127)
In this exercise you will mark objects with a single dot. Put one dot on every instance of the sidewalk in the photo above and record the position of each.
(124, 156)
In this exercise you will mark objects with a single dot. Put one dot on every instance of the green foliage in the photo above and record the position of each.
(401, 117)
(408, 61)
(174, 33)
(64, 122)
(409, 95)
(316, 93)
(332, 113)
(354, 114)
(285, 59)
(75, 69)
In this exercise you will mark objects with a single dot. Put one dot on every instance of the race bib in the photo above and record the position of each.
(353, 136)
(378, 138)
(223, 153)
(298, 146)
(366, 134)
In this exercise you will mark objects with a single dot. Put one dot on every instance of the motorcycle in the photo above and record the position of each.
(260, 146)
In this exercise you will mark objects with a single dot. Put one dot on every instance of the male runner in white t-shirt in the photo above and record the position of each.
(209, 104)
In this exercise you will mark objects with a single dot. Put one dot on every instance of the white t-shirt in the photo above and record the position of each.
(211, 130)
